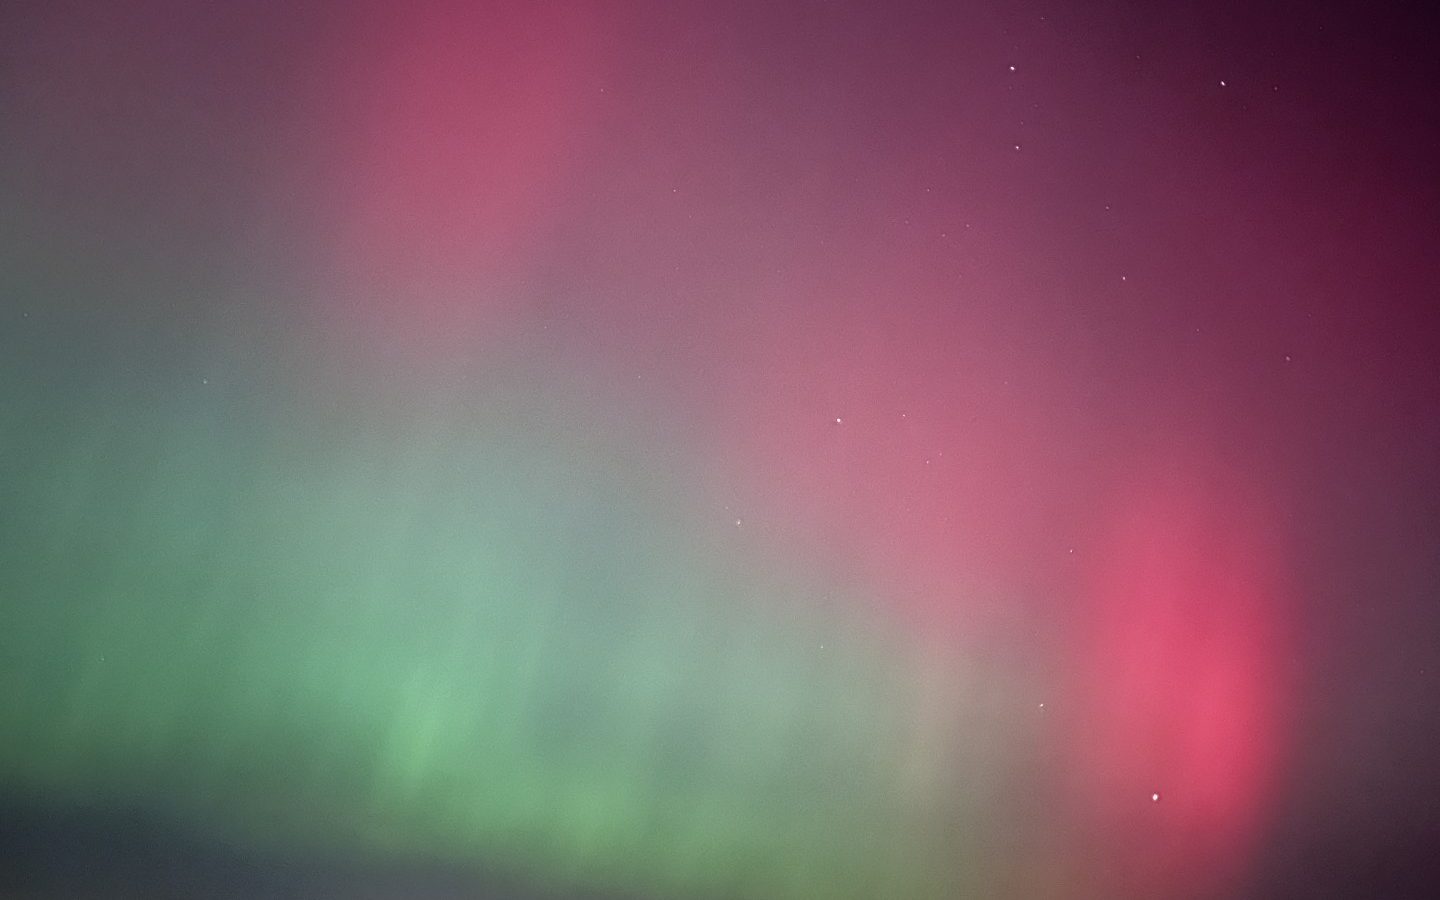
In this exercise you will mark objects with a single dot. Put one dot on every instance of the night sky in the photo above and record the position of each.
(769, 450)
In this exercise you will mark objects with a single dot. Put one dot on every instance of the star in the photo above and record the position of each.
(1155, 798)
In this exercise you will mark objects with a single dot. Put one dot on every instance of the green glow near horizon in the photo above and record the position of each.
(496, 633)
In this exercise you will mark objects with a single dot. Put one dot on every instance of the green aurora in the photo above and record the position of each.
(499, 629)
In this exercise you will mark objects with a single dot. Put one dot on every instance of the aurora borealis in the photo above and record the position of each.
(682, 450)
